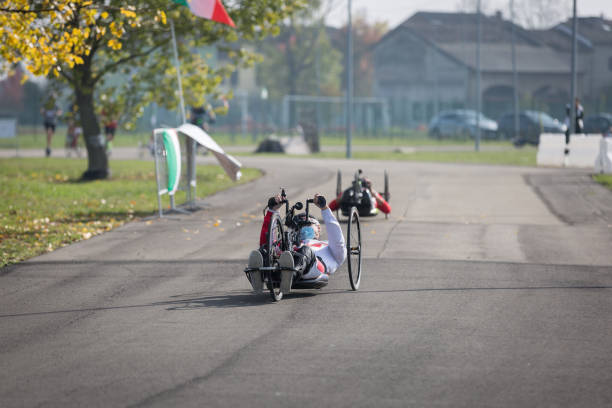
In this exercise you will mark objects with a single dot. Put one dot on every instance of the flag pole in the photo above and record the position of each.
(349, 83)
(216, 13)
(191, 144)
(178, 72)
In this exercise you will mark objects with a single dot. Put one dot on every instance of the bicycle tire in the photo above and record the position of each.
(353, 248)
(338, 192)
(387, 194)
(275, 241)
(386, 191)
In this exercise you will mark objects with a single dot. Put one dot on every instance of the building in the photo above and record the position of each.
(594, 42)
(428, 63)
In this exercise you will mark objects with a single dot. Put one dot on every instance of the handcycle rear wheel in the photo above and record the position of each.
(275, 245)
(353, 248)
(387, 194)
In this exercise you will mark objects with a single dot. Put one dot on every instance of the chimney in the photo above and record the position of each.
(499, 15)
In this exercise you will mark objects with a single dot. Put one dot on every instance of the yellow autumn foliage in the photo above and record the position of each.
(58, 32)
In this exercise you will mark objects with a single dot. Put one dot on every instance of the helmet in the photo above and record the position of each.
(309, 227)
(302, 220)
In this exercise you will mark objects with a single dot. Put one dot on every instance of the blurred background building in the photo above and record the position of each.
(403, 76)
(428, 64)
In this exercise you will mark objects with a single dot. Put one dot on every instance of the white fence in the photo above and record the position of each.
(551, 150)
(603, 163)
(582, 151)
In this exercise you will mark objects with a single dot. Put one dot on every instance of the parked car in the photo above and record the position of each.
(461, 124)
(531, 125)
(598, 123)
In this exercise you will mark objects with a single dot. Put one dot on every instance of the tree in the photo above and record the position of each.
(531, 14)
(84, 41)
(365, 35)
(540, 14)
(301, 59)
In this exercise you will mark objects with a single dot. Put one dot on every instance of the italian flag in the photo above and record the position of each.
(209, 9)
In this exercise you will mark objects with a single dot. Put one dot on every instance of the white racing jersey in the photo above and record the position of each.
(331, 252)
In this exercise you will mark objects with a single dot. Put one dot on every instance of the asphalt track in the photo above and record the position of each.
(487, 286)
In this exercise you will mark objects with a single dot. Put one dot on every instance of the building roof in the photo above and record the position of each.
(455, 36)
(498, 58)
(591, 31)
(463, 28)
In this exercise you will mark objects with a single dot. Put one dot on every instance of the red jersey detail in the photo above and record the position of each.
(382, 205)
(316, 244)
(335, 203)
(320, 266)
(265, 227)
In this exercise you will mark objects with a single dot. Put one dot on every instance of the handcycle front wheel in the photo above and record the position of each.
(338, 192)
(276, 245)
(353, 248)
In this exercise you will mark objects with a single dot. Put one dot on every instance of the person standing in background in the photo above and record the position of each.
(567, 122)
(579, 116)
(109, 113)
(50, 113)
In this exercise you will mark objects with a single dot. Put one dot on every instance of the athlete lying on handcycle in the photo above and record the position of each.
(311, 259)
(361, 195)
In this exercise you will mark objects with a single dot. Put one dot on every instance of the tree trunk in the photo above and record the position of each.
(97, 167)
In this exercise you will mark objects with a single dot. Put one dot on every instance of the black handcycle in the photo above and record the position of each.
(284, 236)
(357, 195)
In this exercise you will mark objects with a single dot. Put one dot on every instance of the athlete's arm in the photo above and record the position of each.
(335, 204)
(335, 239)
(381, 203)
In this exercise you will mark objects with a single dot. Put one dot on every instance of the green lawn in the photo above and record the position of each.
(44, 206)
(604, 179)
(34, 137)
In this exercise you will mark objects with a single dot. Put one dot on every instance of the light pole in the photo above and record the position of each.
(264, 110)
(478, 101)
(349, 83)
(436, 23)
(514, 75)
(573, 90)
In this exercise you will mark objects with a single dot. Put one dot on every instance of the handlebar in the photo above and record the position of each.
(289, 212)
(321, 203)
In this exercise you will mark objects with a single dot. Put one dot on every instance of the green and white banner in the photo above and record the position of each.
(228, 162)
(173, 159)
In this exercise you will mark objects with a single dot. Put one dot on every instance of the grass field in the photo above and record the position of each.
(34, 138)
(44, 206)
(604, 179)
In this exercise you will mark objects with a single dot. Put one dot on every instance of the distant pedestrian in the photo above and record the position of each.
(567, 122)
(50, 113)
(201, 116)
(73, 130)
(110, 113)
(579, 116)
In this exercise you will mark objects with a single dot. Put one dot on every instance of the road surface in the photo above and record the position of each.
(487, 286)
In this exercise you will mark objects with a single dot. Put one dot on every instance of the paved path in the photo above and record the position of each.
(488, 286)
